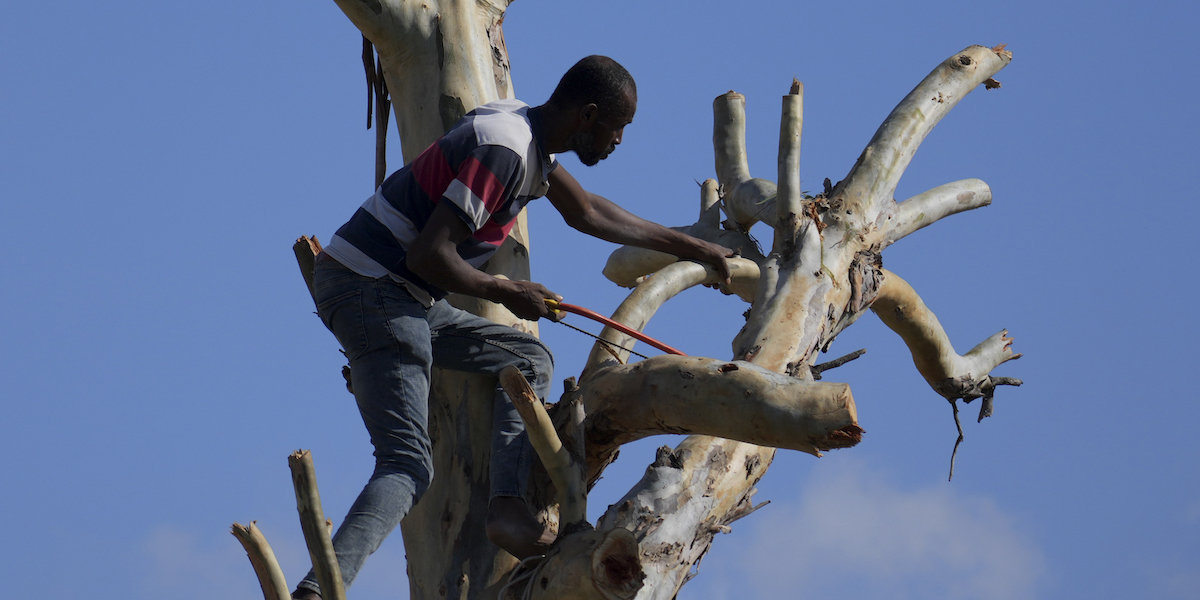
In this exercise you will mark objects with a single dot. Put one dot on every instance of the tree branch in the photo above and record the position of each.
(729, 399)
(262, 558)
(628, 265)
(560, 465)
(747, 200)
(926, 208)
(441, 59)
(650, 294)
(872, 181)
(315, 527)
(789, 197)
(951, 375)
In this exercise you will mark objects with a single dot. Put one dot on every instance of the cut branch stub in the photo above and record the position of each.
(262, 558)
(747, 200)
(789, 197)
(562, 468)
(315, 527)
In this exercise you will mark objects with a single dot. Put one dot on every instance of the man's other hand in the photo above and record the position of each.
(527, 300)
(715, 255)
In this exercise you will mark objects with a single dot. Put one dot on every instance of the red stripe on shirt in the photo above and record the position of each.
(493, 233)
(483, 183)
(432, 172)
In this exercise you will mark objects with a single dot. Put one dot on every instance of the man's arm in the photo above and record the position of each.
(600, 217)
(433, 256)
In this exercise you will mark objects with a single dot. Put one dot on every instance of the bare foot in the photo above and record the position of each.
(513, 528)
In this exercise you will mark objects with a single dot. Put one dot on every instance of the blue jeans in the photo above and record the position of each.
(391, 341)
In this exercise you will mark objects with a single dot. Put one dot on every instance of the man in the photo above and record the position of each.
(380, 285)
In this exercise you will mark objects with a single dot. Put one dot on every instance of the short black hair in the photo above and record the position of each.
(597, 80)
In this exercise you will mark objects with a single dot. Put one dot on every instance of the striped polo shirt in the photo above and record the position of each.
(488, 166)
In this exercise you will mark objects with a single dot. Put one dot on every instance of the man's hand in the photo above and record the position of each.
(715, 255)
(527, 300)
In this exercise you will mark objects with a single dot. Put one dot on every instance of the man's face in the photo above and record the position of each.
(601, 139)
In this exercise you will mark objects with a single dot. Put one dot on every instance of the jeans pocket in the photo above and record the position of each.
(343, 315)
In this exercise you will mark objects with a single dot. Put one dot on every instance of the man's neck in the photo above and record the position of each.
(556, 127)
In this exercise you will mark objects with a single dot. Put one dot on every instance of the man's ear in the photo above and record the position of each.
(588, 113)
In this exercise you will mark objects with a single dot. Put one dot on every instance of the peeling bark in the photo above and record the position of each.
(687, 496)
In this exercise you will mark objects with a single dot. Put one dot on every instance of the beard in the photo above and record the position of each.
(584, 146)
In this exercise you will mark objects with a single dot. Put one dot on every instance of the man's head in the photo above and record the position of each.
(602, 97)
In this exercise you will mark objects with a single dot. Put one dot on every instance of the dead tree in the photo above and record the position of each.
(824, 269)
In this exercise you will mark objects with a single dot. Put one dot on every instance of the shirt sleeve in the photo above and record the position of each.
(487, 179)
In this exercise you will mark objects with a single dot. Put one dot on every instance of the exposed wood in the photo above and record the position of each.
(306, 250)
(262, 558)
(315, 527)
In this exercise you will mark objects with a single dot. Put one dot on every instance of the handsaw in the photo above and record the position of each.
(607, 322)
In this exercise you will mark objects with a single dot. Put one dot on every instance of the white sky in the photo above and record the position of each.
(159, 358)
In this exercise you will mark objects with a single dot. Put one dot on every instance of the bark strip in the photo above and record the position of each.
(688, 495)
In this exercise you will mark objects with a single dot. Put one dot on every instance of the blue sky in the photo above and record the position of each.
(159, 357)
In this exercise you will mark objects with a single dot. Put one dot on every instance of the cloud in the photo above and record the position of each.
(852, 534)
